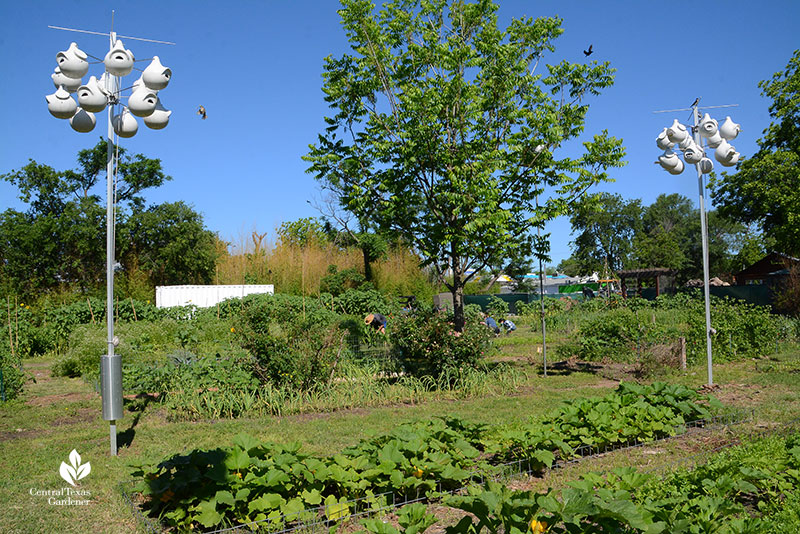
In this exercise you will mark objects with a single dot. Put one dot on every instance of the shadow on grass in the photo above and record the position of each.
(568, 367)
(138, 405)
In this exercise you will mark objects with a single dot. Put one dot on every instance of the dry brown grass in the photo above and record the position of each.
(256, 259)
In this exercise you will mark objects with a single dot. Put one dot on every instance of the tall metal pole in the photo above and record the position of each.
(704, 230)
(110, 363)
(541, 301)
(110, 247)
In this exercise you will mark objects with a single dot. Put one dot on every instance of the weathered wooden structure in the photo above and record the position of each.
(664, 279)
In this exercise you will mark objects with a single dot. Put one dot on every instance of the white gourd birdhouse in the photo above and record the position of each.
(119, 61)
(724, 152)
(677, 169)
(60, 79)
(156, 76)
(714, 140)
(72, 62)
(663, 141)
(91, 97)
(125, 124)
(693, 154)
(677, 132)
(708, 126)
(686, 143)
(138, 84)
(729, 129)
(142, 102)
(83, 121)
(159, 118)
(670, 161)
(60, 104)
(706, 165)
(732, 160)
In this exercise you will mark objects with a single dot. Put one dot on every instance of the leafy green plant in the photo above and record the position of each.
(497, 308)
(416, 460)
(427, 344)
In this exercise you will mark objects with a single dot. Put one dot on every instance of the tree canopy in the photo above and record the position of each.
(666, 233)
(766, 187)
(446, 128)
(606, 226)
(59, 241)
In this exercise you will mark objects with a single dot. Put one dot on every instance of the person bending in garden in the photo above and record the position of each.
(377, 321)
(508, 325)
(492, 324)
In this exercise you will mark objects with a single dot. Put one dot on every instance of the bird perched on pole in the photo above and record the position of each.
(696, 101)
(588, 53)
(202, 112)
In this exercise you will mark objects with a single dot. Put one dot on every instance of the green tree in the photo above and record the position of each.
(666, 236)
(569, 266)
(59, 241)
(170, 243)
(302, 232)
(445, 133)
(606, 225)
(766, 187)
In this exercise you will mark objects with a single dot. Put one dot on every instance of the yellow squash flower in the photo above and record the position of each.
(538, 527)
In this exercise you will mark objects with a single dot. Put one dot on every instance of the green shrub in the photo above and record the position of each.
(294, 341)
(497, 308)
(13, 377)
(191, 375)
(361, 302)
(146, 343)
(337, 282)
(621, 334)
(742, 330)
(427, 345)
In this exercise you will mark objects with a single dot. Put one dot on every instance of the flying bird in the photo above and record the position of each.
(588, 53)
(202, 112)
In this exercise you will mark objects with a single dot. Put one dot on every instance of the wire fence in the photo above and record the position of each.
(322, 518)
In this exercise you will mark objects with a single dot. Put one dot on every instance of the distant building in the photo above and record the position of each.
(770, 270)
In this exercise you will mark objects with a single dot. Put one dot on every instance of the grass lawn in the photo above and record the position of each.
(56, 415)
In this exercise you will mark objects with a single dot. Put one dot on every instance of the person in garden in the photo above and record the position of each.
(492, 324)
(377, 321)
(508, 325)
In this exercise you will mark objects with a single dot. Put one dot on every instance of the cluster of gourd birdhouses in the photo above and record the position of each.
(96, 94)
(677, 138)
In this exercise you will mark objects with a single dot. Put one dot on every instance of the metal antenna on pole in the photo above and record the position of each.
(156, 117)
(694, 153)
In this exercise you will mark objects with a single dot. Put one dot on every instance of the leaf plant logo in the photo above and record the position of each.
(76, 471)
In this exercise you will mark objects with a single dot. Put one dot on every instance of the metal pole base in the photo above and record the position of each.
(113, 434)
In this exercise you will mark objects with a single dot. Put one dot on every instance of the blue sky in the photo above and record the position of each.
(256, 67)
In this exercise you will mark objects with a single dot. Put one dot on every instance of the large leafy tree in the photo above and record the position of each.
(766, 187)
(170, 243)
(446, 127)
(605, 227)
(664, 234)
(59, 241)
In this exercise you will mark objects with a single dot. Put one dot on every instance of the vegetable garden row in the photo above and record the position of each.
(277, 485)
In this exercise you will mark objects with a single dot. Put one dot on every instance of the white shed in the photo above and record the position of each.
(205, 296)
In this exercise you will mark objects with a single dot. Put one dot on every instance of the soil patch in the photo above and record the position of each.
(740, 394)
(49, 400)
(82, 415)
